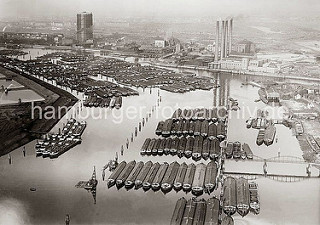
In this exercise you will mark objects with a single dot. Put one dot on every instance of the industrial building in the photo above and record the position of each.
(85, 28)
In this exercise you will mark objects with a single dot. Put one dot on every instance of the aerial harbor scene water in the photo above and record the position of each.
(167, 112)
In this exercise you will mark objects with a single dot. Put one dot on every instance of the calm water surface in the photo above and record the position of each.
(281, 203)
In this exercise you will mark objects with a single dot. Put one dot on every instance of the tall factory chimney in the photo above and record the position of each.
(216, 57)
(230, 35)
(223, 39)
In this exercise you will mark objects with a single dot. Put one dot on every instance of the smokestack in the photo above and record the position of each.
(226, 35)
(223, 40)
(230, 34)
(216, 57)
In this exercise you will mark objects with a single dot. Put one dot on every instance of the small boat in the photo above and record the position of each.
(197, 148)
(177, 114)
(189, 147)
(212, 132)
(198, 181)
(189, 211)
(167, 146)
(197, 128)
(210, 177)
(186, 127)
(246, 148)
(227, 220)
(243, 196)
(174, 146)
(33, 189)
(129, 183)
(145, 146)
(182, 147)
(191, 128)
(177, 216)
(229, 198)
(200, 213)
(180, 124)
(167, 126)
(150, 146)
(249, 122)
(162, 146)
(254, 198)
(125, 173)
(260, 137)
(206, 148)
(204, 128)
(156, 146)
(269, 135)
(150, 176)
(221, 131)
(169, 177)
(159, 128)
(113, 177)
(142, 175)
(212, 212)
(156, 184)
(178, 182)
(237, 150)
(188, 179)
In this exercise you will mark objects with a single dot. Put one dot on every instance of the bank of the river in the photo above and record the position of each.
(18, 126)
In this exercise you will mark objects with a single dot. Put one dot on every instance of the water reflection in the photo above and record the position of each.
(56, 196)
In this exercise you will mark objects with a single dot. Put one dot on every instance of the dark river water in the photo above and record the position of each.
(56, 196)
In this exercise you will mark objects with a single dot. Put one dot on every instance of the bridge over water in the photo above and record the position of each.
(280, 168)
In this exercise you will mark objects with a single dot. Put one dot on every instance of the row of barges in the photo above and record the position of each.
(240, 196)
(195, 147)
(199, 212)
(212, 114)
(53, 145)
(237, 151)
(212, 130)
(103, 102)
(195, 178)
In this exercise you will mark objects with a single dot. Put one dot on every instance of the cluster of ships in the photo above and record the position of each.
(267, 130)
(237, 151)
(53, 145)
(198, 178)
(198, 122)
(195, 147)
(238, 195)
(96, 101)
(200, 212)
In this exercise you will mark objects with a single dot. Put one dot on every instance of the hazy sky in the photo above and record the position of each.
(156, 8)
